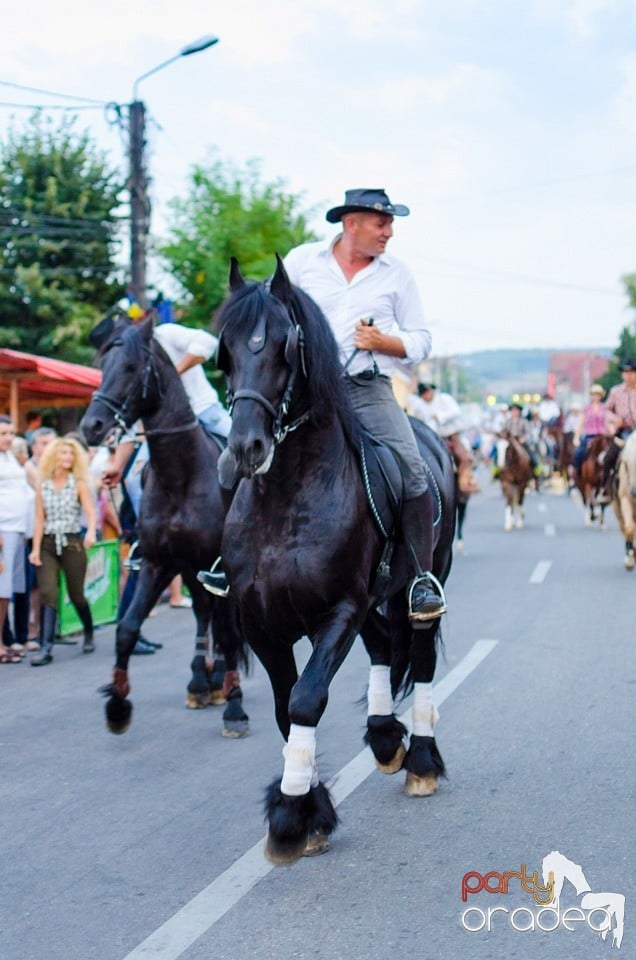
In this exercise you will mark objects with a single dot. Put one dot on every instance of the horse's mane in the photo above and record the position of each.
(325, 386)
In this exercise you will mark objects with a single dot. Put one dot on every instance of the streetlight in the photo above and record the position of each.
(138, 182)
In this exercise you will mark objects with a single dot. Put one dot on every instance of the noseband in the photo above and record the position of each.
(295, 357)
(120, 410)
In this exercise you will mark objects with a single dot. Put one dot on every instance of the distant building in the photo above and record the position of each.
(571, 374)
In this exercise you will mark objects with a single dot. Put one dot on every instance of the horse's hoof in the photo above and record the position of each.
(459, 546)
(236, 729)
(216, 697)
(317, 843)
(117, 728)
(197, 701)
(395, 764)
(630, 563)
(424, 786)
(508, 527)
(283, 854)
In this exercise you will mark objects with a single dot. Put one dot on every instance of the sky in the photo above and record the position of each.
(507, 127)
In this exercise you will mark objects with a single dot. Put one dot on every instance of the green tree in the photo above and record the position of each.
(58, 224)
(627, 339)
(228, 212)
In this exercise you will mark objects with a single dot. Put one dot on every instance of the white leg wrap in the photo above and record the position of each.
(300, 771)
(425, 714)
(379, 699)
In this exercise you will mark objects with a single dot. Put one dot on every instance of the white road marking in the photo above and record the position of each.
(178, 933)
(541, 507)
(550, 530)
(540, 571)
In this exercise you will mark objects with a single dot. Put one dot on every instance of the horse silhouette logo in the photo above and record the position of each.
(556, 867)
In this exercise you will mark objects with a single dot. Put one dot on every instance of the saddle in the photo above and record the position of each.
(382, 480)
(217, 438)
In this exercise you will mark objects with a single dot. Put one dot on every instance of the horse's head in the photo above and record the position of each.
(129, 386)
(261, 350)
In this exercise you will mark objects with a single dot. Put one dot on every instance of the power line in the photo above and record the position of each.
(51, 106)
(522, 278)
(51, 93)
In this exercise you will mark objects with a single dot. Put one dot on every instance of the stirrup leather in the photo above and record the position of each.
(211, 588)
(428, 577)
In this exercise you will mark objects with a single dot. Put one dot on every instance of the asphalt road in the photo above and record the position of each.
(148, 844)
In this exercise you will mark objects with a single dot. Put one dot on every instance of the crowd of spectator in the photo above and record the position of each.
(54, 506)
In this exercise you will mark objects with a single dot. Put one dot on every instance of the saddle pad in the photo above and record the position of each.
(382, 481)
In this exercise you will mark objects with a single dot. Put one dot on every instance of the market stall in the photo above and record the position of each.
(30, 382)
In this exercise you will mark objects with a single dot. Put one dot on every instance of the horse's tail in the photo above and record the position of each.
(403, 661)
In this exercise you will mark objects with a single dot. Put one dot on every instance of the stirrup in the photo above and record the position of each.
(213, 580)
(414, 616)
(133, 562)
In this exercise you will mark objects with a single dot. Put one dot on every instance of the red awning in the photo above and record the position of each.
(28, 381)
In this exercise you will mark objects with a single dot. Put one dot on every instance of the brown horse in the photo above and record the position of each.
(516, 474)
(589, 481)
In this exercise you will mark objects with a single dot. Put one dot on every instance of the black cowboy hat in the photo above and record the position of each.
(423, 387)
(516, 406)
(365, 200)
(628, 364)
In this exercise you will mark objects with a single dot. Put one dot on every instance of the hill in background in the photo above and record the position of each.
(504, 372)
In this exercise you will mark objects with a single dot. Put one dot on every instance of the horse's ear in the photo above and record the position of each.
(280, 285)
(145, 328)
(236, 277)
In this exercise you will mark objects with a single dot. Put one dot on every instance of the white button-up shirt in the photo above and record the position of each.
(178, 340)
(385, 290)
(442, 413)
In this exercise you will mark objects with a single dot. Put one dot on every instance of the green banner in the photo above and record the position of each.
(101, 588)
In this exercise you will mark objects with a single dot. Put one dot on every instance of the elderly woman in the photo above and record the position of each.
(14, 512)
(62, 494)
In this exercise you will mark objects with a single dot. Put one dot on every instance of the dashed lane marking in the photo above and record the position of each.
(196, 917)
(540, 572)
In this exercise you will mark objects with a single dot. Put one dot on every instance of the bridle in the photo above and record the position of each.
(295, 358)
(120, 410)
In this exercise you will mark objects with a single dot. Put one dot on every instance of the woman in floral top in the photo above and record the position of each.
(61, 495)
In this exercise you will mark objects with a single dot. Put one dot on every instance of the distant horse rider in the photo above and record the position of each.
(519, 428)
(621, 401)
(595, 420)
(443, 414)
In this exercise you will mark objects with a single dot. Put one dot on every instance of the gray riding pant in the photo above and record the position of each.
(380, 413)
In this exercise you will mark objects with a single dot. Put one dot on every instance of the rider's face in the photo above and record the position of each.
(629, 379)
(370, 232)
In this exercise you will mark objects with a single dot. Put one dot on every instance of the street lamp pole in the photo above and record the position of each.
(138, 176)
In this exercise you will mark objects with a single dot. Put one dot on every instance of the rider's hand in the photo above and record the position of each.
(111, 477)
(89, 539)
(34, 558)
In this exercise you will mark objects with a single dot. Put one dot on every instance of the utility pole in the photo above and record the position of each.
(138, 178)
(139, 201)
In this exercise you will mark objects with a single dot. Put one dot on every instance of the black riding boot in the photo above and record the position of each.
(214, 580)
(84, 613)
(425, 601)
(48, 623)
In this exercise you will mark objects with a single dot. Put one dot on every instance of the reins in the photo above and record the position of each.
(120, 410)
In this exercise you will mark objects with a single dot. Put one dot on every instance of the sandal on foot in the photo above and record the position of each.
(10, 656)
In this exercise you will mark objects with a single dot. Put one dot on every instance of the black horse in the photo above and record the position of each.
(304, 553)
(181, 516)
